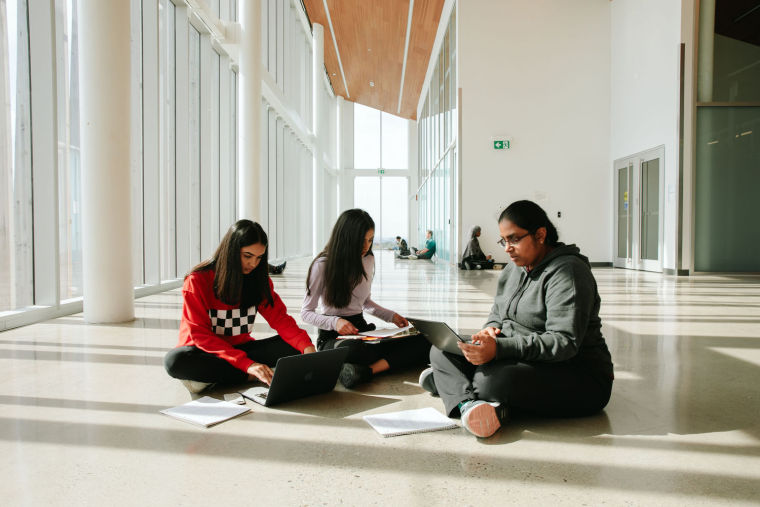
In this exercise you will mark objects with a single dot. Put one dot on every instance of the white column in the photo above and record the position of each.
(706, 50)
(104, 76)
(339, 106)
(249, 100)
(318, 69)
(7, 271)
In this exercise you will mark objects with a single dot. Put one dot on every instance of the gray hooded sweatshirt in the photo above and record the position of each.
(551, 313)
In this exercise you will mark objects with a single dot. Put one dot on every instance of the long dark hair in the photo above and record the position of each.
(530, 216)
(228, 272)
(344, 268)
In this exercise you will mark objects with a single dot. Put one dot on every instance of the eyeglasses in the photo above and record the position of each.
(511, 240)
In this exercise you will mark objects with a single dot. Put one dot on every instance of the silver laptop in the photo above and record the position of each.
(440, 335)
(299, 376)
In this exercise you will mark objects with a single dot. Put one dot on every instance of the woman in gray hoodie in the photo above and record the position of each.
(541, 350)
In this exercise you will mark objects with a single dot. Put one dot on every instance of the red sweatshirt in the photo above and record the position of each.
(216, 327)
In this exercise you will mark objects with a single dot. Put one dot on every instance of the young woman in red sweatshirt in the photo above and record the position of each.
(221, 297)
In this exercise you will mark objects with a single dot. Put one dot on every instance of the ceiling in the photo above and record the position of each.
(371, 36)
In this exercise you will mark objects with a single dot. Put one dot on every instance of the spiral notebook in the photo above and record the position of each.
(405, 422)
(206, 411)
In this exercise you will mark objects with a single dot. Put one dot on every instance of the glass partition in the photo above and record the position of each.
(726, 235)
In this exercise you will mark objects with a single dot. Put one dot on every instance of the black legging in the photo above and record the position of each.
(192, 363)
(401, 353)
(563, 389)
(471, 263)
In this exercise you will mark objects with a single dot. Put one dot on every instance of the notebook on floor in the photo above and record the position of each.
(300, 376)
(205, 411)
(420, 420)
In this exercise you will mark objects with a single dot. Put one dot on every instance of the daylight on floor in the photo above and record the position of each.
(397, 252)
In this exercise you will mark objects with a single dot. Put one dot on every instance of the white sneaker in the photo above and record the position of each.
(194, 386)
(481, 418)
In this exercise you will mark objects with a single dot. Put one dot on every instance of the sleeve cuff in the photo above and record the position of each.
(507, 348)
(244, 364)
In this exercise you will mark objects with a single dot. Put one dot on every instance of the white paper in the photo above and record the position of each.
(409, 421)
(205, 411)
(385, 332)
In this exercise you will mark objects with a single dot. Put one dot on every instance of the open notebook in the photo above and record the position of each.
(382, 334)
(206, 411)
(409, 421)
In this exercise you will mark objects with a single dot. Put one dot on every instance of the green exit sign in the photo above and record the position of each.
(381, 171)
(502, 144)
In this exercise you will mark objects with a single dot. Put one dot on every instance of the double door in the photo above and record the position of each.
(638, 236)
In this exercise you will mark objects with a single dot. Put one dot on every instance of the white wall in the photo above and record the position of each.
(645, 45)
(538, 72)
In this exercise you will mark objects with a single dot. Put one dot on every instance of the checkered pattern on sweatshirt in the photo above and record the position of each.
(232, 322)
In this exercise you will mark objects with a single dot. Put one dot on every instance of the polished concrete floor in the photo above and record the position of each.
(80, 422)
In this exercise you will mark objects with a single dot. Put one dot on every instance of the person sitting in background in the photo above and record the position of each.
(401, 246)
(473, 257)
(428, 251)
(278, 269)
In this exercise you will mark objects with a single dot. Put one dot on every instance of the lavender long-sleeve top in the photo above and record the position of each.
(316, 312)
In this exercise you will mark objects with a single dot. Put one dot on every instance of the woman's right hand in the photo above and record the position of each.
(261, 372)
(345, 327)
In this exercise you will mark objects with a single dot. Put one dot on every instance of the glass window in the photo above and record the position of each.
(395, 212)
(16, 239)
(69, 170)
(729, 53)
(367, 197)
(395, 142)
(728, 150)
(366, 137)
(193, 171)
(437, 130)
(727, 140)
(167, 111)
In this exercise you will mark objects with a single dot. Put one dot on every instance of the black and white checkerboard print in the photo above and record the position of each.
(232, 322)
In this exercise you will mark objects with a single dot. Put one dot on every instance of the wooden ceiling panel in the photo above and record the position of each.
(371, 37)
(425, 19)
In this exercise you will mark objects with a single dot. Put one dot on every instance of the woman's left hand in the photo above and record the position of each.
(399, 320)
(481, 350)
(309, 349)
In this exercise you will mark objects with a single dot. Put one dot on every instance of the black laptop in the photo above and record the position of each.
(440, 335)
(300, 376)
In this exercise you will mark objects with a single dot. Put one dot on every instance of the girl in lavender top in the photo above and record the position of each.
(338, 292)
